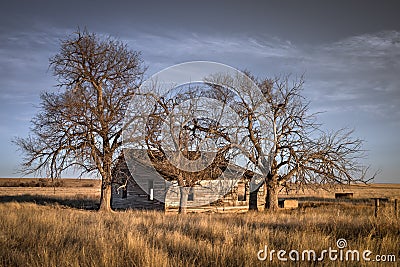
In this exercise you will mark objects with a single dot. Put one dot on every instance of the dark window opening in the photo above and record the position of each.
(191, 195)
(124, 192)
(241, 191)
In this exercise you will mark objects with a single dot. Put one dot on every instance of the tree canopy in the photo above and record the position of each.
(80, 125)
(285, 145)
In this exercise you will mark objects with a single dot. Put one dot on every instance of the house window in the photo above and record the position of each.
(241, 191)
(124, 192)
(150, 184)
(191, 195)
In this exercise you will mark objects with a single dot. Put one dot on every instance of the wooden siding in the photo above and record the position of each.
(136, 198)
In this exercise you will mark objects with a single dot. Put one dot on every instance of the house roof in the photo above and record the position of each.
(155, 160)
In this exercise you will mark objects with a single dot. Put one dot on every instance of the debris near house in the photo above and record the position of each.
(288, 203)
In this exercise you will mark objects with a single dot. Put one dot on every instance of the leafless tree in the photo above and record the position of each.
(80, 125)
(283, 143)
(187, 149)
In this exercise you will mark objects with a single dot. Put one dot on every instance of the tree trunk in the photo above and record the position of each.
(253, 203)
(106, 190)
(105, 199)
(184, 192)
(271, 198)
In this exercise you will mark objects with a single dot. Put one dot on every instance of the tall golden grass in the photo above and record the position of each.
(54, 235)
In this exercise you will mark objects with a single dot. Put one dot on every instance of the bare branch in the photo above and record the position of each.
(80, 126)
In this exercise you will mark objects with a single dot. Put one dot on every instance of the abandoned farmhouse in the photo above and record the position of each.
(148, 190)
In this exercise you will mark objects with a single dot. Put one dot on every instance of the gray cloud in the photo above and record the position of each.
(356, 74)
(359, 72)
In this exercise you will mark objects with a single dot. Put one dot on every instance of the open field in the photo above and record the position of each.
(85, 193)
(77, 193)
(43, 227)
(70, 187)
(53, 235)
(361, 191)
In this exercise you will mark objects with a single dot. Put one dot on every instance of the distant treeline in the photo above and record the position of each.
(41, 182)
(45, 182)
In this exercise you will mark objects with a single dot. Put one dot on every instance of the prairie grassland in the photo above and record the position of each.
(360, 191)
(91, 187)
(56, 235)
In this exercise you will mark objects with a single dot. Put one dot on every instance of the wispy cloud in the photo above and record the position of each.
(357, 72)
(164, 50)
(354, 72)
(347, 75)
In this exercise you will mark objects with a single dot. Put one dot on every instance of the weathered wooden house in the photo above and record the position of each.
(139, 187)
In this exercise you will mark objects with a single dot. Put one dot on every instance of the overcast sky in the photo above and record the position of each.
(349, 52)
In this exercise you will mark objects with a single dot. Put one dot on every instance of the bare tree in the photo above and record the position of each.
(283, 144)
(180, 151)
(80, 125)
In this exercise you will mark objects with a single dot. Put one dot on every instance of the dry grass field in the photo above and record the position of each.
(58, 228)
(360, 191)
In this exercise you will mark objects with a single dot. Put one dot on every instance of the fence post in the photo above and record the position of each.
(376, 206)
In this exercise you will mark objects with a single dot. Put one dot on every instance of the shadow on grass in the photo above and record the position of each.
(77, 203)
